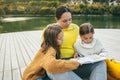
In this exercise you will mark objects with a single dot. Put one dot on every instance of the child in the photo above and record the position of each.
(88, 45)
(47, 60)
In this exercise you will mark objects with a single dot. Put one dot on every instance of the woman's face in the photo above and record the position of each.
(87, 38)
(60, 38)
(65, 20)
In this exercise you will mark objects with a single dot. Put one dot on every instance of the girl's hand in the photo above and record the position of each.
(76, 55)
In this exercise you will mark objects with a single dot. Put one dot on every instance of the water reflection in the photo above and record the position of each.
(37, 23)
(14, 19)
(100, 21)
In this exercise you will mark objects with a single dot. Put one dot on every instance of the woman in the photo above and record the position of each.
(47, 60)
(71, 31)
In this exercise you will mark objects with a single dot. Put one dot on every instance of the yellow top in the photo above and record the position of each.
(70, 36)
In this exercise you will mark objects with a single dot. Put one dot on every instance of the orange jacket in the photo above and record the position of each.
(47, 62)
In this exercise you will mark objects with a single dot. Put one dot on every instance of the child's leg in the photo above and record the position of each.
(39, 79)
(89, 70)
(70, 75)
(99, 72)
(84, 71)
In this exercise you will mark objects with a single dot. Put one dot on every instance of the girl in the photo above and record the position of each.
(47, 60)
(88, 45)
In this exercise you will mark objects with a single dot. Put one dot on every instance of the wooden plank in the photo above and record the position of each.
(7, 62)
(33, 41)
(110, 39)
(2, 55)
(14, 61)
(20, 60)
(17, 49)
(24, 52)
(27, 46)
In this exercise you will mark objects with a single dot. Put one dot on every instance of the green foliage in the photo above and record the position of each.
(74, 8)
(44, 3)
(115, 10)
(47, 7)
(2, 1)
(101, 1)
(82, 6)
(83, 9)
(2, 12)
(48, 10)
(96, 9)
(1, 28)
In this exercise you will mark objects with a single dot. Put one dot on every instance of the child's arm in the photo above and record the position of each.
(103, 50)
(103, 53)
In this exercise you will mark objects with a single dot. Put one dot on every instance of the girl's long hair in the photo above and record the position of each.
(50, 38)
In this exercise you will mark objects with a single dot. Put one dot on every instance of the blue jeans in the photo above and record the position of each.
(43, 79)
(39, 79)
(94, 71)
(70, 75)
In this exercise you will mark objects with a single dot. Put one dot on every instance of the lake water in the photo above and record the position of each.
(15, 24)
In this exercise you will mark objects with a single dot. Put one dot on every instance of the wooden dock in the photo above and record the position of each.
(18, 48)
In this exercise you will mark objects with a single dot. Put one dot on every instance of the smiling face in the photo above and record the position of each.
(87, 38)
(65, 20)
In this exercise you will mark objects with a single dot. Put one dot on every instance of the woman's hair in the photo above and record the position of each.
(60, 10)
(86, 28)
(50, 38)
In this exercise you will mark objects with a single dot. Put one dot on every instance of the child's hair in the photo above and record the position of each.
(86, 28)
(50, 38)
(60, 10)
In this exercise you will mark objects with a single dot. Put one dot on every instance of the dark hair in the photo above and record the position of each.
(50, 38)
(86, 28)
(60, 10)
